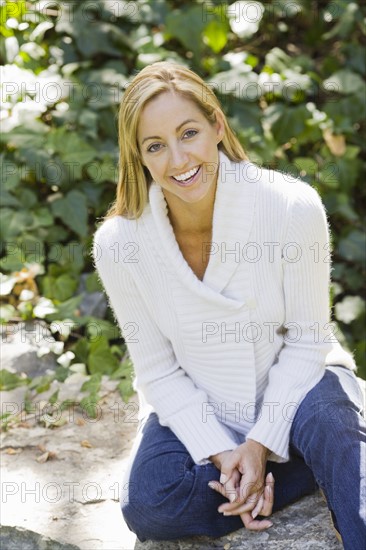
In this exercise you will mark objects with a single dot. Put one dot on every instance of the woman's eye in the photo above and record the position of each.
(151, 148)
(190, 132)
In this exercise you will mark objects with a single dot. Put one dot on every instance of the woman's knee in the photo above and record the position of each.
(151, 501)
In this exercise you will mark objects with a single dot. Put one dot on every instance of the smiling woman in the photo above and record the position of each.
(183, 160)
(247, 400)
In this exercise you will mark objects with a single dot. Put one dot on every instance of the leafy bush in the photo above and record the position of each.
(290, 77)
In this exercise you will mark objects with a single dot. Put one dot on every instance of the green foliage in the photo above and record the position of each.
(290, 77)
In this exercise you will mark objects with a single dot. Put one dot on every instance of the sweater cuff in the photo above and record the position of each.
(273, 426)
(203, 435)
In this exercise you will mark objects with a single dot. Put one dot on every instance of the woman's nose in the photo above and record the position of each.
(178, 158)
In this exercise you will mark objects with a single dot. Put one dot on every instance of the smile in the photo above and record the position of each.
(187, 177)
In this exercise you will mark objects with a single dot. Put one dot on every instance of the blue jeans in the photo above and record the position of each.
(167, 496)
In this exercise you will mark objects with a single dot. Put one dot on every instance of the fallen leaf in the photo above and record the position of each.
(85, 443)
(80, 422)
(41, 448)
(227, 546)
(11, 451)
(48, 455)
(60, 422)
(43, 458)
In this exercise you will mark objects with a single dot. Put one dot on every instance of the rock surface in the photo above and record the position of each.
(304, 525)
(61, 485)
(15, 538)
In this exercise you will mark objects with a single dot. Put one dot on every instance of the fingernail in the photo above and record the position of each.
(227, 513)
(232, 498)
(223, 478)
(254, 514)
(270, 475)
(212, 484)
(270, 524)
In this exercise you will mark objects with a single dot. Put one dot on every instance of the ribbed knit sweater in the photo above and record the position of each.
(237, 352)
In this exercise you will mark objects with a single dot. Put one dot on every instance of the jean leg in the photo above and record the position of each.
(168, 497)
(329, 432)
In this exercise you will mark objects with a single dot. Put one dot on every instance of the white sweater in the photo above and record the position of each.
(238, 351)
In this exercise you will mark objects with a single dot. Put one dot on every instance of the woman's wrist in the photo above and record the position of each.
(258, 448)
(218, 458)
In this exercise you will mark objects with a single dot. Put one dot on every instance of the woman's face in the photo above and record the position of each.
(179, 146)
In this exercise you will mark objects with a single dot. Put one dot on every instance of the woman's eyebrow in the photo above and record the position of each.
(177, 129)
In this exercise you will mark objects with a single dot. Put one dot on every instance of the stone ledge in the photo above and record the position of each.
(16, 538)
(305, 525)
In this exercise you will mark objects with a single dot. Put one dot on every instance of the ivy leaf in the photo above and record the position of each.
(89, 404)
(10, 381)
(344, 82)
(72, 210)
(125, 389)
(93, 384)
(286, 122)
(101, 359)
(187, 26)
(353, 247)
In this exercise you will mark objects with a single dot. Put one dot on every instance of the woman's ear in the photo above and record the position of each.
(220, 126)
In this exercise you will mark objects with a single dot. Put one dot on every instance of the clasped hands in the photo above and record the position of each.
(242, 482)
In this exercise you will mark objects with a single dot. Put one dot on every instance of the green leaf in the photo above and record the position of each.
(72, 210)
(61, 373)
(97, 328)
(286, 122)
(42, 218)
(215, 35)
(90, 405)
(102, 361)
(102, 171)
(125, 370)
(93, 384)
(41, 383)
(125, 389)
(353, 247)
(308, 165)
(239, 82)
(7, 312)
(7, 199)
(187, 26)
(81, 350)
(10, 381)
(12, 223)
(64, 288)
(344, 81)
(65, 310)
(93, 283)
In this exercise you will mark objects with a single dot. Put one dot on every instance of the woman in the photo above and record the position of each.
(218, 274)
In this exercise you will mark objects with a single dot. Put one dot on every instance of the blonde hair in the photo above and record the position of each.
(134, 179)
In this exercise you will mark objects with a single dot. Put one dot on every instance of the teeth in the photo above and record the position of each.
(187, 175)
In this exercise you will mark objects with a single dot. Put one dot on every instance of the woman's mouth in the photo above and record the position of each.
(190, 179)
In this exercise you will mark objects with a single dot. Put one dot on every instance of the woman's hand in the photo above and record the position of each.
(242, 482)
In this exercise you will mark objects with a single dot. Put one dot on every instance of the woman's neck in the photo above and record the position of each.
(191, 218)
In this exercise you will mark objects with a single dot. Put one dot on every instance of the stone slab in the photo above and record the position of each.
(62, 484)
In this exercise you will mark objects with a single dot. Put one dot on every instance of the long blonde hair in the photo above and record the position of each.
(134, 179)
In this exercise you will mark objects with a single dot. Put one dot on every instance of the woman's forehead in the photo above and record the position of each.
(168, 110)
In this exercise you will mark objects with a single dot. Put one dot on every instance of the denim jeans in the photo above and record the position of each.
(167, 496)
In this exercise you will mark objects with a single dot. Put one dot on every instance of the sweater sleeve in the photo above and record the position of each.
(308, 337)
(158, 376)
